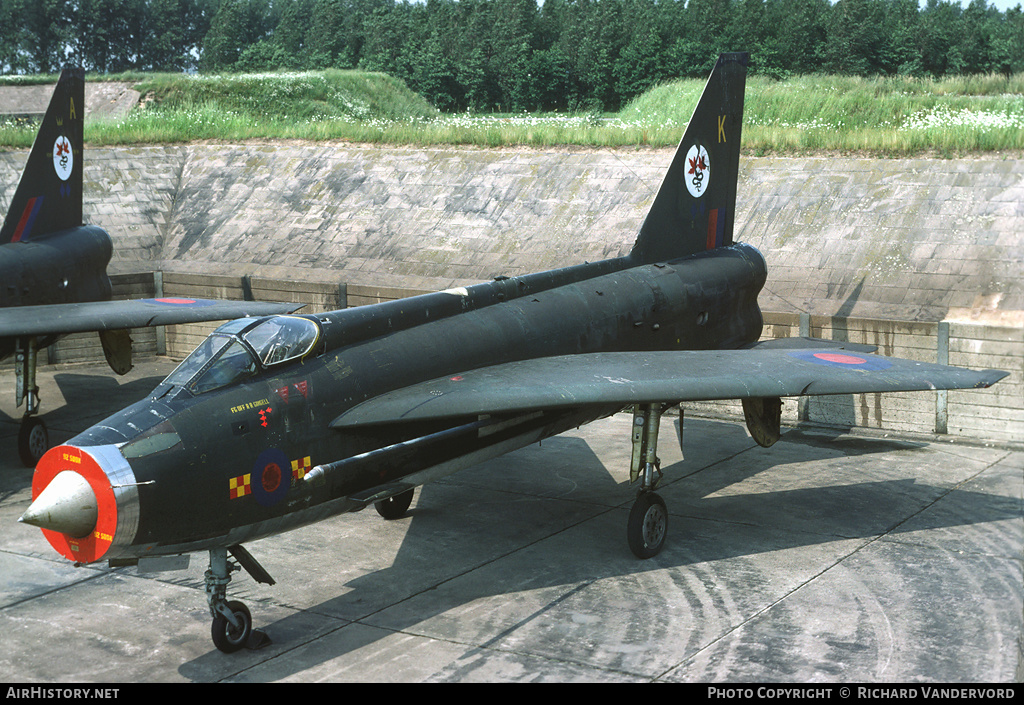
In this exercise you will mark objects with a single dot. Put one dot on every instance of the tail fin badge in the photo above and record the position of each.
(698, 170)
(63, 158)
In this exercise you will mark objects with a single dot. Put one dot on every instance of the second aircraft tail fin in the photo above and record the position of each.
(696, 206)
(49, 195)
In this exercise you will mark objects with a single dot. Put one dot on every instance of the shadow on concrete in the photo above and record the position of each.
(838, 410)
(484, 560)
(839, 439)
(88, 398)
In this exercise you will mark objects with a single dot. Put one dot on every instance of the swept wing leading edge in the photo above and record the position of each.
(659, 376)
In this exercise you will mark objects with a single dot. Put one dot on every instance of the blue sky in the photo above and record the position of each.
(1003, 5)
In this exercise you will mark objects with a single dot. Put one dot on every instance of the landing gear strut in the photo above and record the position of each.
(232, 623)
(648, 519)
(33, 439)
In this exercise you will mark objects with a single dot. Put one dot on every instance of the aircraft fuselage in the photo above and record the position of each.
(59, 268)
(231, 465)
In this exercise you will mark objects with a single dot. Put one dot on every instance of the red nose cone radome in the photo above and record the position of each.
(74, 504)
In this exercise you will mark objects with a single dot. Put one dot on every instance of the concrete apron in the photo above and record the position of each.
(829, 557)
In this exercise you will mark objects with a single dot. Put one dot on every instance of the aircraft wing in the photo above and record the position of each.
(61, 319)
(767, 370)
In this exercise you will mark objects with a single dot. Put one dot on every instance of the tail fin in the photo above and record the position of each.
(696, 206)
(49, 195)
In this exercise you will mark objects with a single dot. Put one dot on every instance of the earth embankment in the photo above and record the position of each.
(921, 239)
(922, 258)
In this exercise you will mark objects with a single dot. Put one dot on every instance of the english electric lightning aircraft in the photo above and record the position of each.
(53, 269)
(282, 421)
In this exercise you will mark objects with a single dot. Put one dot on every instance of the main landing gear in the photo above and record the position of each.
(648, 520)
(33, 439)
(232, 623)
(647, 526)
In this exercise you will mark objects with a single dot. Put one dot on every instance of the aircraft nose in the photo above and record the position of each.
(85, 499)
(67, 505)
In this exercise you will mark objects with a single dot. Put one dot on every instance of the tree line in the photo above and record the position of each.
(514, 55)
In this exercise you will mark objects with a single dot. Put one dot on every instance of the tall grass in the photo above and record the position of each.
(884, 116)
(298, 96)
(880, 116)
(17, 132)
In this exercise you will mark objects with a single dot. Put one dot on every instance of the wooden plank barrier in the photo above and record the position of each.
(995, 414)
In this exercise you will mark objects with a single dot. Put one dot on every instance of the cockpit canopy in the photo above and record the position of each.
(242, 348)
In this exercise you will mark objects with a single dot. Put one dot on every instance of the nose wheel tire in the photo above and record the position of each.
(647, 526)
(33, 440)
(227, 637)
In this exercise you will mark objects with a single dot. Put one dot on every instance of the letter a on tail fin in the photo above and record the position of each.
(49, 195)
(696, 205)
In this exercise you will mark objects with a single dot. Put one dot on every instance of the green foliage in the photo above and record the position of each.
(515, 54)
(18, 133)
(577, 56)
(301, 96)
(669, 103)
(236, 26)
(888, 116)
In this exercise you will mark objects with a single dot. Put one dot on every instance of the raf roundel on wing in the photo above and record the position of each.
(843, 360)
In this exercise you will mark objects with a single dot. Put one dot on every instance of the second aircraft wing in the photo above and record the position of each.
(62, 319)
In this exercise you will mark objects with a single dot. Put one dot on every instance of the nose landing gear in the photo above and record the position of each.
(232, 622)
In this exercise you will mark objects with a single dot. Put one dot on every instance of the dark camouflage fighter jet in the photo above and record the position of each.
(53, 269)
(282, 421)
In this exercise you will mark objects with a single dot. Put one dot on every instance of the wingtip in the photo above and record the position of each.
(990, 377)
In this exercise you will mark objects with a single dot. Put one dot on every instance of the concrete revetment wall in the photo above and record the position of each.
(879, 251)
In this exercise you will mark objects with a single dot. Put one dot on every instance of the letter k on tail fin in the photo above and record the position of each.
(696, 206)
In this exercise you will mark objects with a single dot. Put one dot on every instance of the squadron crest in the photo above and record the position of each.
(698, 171)
(63, 158)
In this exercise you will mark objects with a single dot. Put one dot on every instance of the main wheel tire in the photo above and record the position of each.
(647, 526)
(33, 440)
(395, 507)
(228, 638)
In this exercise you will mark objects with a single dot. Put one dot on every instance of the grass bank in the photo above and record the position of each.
(898, 116)
(879, 116)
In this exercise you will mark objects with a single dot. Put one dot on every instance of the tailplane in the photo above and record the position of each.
(49, 195)
(696, 206)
